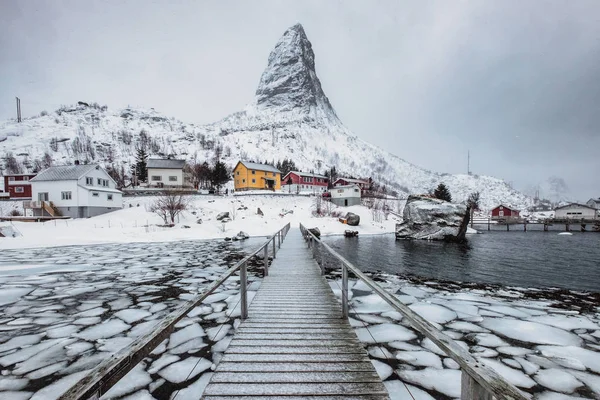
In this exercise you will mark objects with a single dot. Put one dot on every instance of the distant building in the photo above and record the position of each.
(18, 186)
(502, 212)
(348, 195)
(575, 211)
(77, 191)
(594, 203)
(296, 182)
(167, 174)
(254, 176)
(362, 184)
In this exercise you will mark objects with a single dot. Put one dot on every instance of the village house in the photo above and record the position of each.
(575, 211)
(296, 182)
(362, 184)
(18, 186)
(504, 212)
(167, 174)
(77, 191)
(348, 195)
(254, 176)
(594, 203)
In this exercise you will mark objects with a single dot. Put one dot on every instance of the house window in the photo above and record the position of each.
(19, 189)
(172, 179)
(238, 173)
(11, 178)
(253, 180)
(65, 195)
(501, 213)
(105, 182)
(89, 181)
(109, 196)
(25, 178)
(99, 182)
(243, 181)
(156, 178)
(340, 190)
(253, 172)
(95, 194)
(274, 174)
(355, 190)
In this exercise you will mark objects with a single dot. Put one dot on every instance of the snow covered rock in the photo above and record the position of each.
(352, 219)
(222, 216)
(430, 219)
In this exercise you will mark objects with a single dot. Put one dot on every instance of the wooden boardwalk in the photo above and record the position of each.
(295, 343)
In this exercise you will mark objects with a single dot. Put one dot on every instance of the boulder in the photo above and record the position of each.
(259, 212)
(352, 219)
(242, 235)
(199, 221)
(185, 226)
(432, 219)
(222, 215)
(349, 233)
(227, 239)
(316, 232)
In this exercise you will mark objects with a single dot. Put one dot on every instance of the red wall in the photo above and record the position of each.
(297, 180)
(10, 187)
(507, 212)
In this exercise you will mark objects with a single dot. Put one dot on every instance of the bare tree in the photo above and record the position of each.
(169, 204)
(318, 206)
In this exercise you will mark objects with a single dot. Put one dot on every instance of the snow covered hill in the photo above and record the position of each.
(289, 117)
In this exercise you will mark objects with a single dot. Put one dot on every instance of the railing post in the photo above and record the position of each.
(274, 249)
(278, 240)
(243, 294)
(472, 390)
(266, 259)
(344, 291)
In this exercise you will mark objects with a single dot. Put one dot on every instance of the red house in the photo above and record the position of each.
(296, 182)
(503, 211)
(18, 186)
(362, 184)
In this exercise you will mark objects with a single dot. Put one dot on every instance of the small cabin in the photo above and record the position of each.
(167, 173)
(502, 212)
(296, 182)
(594, 203)
(362, 184)
(345, 196)
(255, 176)
(575, 211)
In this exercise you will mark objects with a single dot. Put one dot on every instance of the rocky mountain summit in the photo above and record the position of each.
(290, 117)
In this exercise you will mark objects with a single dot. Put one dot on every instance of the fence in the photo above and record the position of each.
(110, 371)
(478, 382)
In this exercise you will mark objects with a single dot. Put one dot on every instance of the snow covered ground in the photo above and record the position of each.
(542, 346)
(134, 223)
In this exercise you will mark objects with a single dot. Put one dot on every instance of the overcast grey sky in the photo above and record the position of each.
(516, 82)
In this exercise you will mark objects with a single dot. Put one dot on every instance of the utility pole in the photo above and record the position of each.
(468, 162)
(18, 109)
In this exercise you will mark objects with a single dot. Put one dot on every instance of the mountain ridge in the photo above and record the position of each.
(289, 117)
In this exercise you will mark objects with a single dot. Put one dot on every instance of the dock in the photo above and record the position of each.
(295, 342)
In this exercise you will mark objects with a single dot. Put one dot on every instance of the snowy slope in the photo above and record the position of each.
(289, 117)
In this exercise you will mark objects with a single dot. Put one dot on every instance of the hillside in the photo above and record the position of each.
(289, 117)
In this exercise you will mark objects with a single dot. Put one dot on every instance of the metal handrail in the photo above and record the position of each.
(111, 370)
(478, 383)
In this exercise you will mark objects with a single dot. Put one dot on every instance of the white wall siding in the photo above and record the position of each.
(54, 189)
(164, 176)
(345, 192)
(575, 212)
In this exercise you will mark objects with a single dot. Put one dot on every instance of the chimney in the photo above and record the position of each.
(76, 162)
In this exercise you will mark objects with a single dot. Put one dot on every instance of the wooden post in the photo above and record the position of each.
(507, 227)
(582, 227)
(266, 260)
(567, 227)
(344, 291)
(471, 390)
(243, 294)
(274, 249)
(524, 226)
(489, 223)
(279, 239)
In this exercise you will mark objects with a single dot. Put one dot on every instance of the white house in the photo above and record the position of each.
(348, 195)
(594, 203)
(77, 191)
(575, 211)
(167, 173)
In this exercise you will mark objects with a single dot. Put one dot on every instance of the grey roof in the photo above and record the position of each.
(574, 205)
(165, 164)
(306, 174)
(260, 167)
(63, 173)
(351, 180)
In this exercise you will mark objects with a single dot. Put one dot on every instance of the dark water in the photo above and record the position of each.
(525, 259)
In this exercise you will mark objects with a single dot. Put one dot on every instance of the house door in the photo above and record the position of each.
(346, 202)
(501, 213)
(43, 196)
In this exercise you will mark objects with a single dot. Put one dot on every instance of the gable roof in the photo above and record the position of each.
(165, 164)
(505, 206)
(351, 180)
(577, 205)
(64, 173)
(597, 200)
(258, 167)
(306, 174)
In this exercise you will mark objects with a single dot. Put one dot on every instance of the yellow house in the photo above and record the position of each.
(254, 176)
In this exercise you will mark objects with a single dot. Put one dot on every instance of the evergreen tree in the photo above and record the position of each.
(220, 175)
(442, 193)
(140, 168)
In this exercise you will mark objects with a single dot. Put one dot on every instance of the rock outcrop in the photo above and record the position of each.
(432, 219)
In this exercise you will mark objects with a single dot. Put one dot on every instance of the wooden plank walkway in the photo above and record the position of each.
(295, 344)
